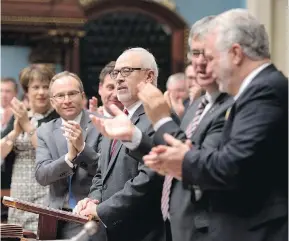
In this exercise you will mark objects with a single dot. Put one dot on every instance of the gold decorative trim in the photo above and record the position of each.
(186, 45)
(170, 4)
(41, 20)
(30, 1)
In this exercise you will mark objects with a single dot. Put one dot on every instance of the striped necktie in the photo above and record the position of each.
(195, 122)
(165, 201)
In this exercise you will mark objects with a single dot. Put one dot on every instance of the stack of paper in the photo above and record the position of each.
(11, 231)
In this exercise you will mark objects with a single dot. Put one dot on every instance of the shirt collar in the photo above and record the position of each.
(38, 116)
(249, 79)
(211, 97)
(105, 113)
(131, 109)
(77, 119)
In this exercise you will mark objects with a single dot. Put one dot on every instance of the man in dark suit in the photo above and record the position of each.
(126, 193)
(203, 124)
(243, 181)
(66, 155)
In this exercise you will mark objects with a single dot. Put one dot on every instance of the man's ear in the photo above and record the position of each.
(150, 77)
(99, 89)
(52, 103)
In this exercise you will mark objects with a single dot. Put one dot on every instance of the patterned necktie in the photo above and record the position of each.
(113, 145)
(193, 125)
(165, 201)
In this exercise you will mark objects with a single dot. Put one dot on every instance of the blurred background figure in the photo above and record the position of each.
(9, 90)
(195, 91)
(182, 90)
(106, 91)
(177, 86)
(85, 102)
(22, 139)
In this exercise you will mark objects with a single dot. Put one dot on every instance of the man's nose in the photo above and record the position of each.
(66, 99)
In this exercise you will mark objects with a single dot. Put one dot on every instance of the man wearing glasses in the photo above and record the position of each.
(66, 157)
(128, 192)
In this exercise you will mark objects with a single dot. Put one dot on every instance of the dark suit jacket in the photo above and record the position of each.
(129, 192)
(183, 218)
(245, 179)
(51, 168)
(207, 134)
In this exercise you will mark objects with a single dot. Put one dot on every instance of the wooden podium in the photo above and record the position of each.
(47, 224)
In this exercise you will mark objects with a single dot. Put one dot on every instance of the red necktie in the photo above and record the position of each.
(113, 144)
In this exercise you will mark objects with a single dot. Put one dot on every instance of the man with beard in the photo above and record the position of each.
(245, 180)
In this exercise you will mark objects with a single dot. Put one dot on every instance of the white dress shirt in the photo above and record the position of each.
(105, 113)
(249, 79)
(211, 97)
(69, 163)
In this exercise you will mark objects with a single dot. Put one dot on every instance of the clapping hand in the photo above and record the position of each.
(86, 207)
(120, 127)
(154, 102)
(73, 133)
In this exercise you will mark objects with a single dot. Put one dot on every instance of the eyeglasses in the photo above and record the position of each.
(125, 71)
(61, 97)
(195, 53)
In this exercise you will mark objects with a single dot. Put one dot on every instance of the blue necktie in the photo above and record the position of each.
(71, 200)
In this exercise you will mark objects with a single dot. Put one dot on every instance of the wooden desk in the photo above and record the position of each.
(5, 192)
(48, 217)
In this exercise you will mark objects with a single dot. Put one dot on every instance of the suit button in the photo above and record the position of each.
(62, 174)
(104, 187)
(83, 164)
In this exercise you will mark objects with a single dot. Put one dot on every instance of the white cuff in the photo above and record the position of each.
(136, 139)
(69, 163)
(162, 122)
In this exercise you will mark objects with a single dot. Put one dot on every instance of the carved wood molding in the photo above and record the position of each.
(157, 11)
(26, 20)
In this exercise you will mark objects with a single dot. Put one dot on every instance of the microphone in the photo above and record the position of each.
(89, 229)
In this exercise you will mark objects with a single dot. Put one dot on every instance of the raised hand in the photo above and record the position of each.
(73, 133)
(120, 127)
(154, 102)
(168, 159)
(20, 112)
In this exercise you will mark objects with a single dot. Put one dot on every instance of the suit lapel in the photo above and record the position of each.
(188, 118)
(209, 115)
(106, 145)
(109, 162)
(61, 145)
(84, 123)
